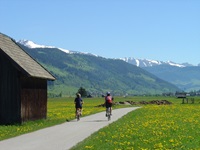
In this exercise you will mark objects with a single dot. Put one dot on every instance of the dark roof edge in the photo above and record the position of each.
(6, 36)
(18, 67)
(34, 60)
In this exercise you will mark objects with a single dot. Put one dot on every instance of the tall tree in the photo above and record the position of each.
(82, 91)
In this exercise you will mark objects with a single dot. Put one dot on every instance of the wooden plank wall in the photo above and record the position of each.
(10, 107)
(21, 98)
(33, 98)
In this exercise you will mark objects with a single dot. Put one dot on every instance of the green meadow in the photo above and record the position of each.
(174, 126)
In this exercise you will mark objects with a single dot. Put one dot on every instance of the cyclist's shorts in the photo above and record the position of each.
(78, 106)
(108, 105)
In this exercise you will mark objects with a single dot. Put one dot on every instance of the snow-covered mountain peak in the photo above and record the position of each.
(31, 44)
(149, 62)
(175, 64)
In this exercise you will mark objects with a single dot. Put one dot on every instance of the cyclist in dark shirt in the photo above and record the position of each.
(78, 102)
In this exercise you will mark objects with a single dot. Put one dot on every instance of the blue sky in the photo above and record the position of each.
(152, 29)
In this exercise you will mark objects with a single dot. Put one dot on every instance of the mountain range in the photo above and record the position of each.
(150, 63)
(185, 76)
(131, 60)
(94, 73)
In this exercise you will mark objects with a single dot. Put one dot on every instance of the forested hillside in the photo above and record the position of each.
(96, 74)
(186, 78)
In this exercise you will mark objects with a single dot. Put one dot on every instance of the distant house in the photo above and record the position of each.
(23, 84)
(181, 94)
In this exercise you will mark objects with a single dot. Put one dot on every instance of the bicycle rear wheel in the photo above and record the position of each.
(78, 114)
(78, 117)
(109, 117)
(108, 113)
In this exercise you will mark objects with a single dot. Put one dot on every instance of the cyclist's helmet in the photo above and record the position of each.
(78, 94)
(108, 93)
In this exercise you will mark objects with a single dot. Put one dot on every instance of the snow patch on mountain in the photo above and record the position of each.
(150, 63)
(31, 44)
(175, 64)
(137, 62)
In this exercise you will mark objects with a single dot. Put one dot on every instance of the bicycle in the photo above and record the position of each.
(78, 113)
(108, 113)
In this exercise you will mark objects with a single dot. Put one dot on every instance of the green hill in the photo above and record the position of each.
(96, 74)
(186, 78)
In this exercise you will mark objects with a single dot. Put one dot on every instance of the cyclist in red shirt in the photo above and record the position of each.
(108, 102)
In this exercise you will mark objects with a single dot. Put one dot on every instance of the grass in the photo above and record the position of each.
(158, 127)
(60, 110)
(152, 127)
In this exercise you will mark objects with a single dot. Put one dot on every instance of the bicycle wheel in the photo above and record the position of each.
(109, 117)
(78, 117)
(109, 114)
(78, 114)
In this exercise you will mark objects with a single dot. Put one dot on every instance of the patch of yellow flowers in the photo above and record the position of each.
(58, 111)
(152, 127)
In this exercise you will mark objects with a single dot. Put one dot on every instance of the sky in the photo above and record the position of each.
(164, 30)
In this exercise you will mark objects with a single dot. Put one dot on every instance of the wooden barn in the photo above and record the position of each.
(23, 84)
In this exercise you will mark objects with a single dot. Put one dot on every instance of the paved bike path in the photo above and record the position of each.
(63, 136)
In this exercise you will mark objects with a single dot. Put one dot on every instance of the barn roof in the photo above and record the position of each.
(22, 61)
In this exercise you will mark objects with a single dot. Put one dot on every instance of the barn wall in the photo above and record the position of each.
(9, 92)
(33, 98)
